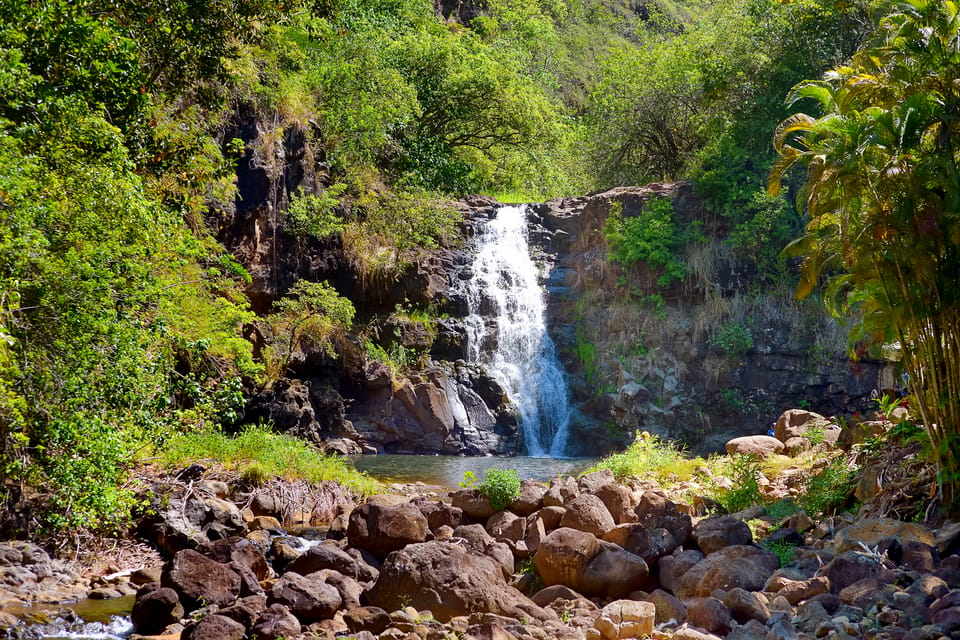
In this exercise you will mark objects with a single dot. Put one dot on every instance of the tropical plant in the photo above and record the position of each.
(501, 487)
(883, 197)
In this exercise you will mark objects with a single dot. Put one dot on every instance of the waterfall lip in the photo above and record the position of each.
(507, 280)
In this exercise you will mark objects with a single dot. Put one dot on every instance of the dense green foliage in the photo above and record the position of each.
(501, 487)
(257, 453)
(883, 196)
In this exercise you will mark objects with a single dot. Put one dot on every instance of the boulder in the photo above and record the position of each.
(852, 566)
(236, 549)
(372, 619)
(382, 529)
(275, 623)
(530, 498)
(156, 610)
(587, 513)
(445, 579)
(763, 446)
(626, 619)
(308, 600)
(874, 531)
(735, 566)
(591, 482)
(744, 606)
(200, 581)
(712, 534)
(795, 422)
(637, 539)
(474, 504)
(619, 501)
(709, 614)
(214, 627)
(506, 525)
(591, 566)
(561, 490)
(668, 606)
(655, 511)
(246, 610)
(183, 523)
(441, 514)
(673, 567)
(324, 556)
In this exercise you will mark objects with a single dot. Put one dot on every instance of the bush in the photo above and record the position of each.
(744, 471)
(501, 487)
(258, 453)
(828, 491)
(651, 238)
(649, 455)
(733, 340)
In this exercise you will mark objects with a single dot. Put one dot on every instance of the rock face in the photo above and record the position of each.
(448, 581)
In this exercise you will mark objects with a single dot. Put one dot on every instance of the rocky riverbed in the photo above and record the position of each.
(574, 558)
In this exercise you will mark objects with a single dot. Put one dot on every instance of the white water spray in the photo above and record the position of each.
(507, 332)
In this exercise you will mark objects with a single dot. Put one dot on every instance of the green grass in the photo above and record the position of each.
(258, 453)
(516, 197)
(651, 456)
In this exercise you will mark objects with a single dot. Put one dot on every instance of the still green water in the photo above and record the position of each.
(447, 471)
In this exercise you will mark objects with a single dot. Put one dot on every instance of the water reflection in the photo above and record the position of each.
(448, 470)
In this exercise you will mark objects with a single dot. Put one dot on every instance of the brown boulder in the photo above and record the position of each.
(852, 566)
(240, 550)
(874, 531)
(709, 614)
(744, 605)
(155, 611)
(587, 513)
(763, 446)
(530, 498)
(668, 606)
(735, 566)
(673, 567)
(655, 511)
(372, 619)
(625, 619)
(505, 525)
(637, 539)
(200, 581)
(795, 422)
(382, 529)
(309, 600)
(324, 556)
(712, 534)
(474, 504)
(445, 579)
(619, 501)
(275, 623)
(580, 561)
(214, 627)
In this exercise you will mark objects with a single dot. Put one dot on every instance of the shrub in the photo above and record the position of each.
(501, 487)
(258, 453)
(744, 471)
(649, 455)
(828, 491)
(651, 238)
(733, 340)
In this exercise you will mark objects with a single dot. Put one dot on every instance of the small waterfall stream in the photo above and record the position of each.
(506, 331)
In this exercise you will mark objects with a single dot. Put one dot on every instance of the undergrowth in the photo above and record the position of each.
(651, 456)
(257, 453)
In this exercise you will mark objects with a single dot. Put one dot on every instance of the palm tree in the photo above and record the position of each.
(883, 197)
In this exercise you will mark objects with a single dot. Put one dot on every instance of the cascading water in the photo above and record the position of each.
(506, 331)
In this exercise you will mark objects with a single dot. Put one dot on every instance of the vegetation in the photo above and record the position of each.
(882, 192)
(651, 456)
(501, 487)
(258, 452)
(122, 317)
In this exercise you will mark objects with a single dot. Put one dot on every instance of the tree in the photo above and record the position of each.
(883, 196)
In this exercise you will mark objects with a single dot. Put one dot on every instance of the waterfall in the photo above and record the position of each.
(506, 331)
